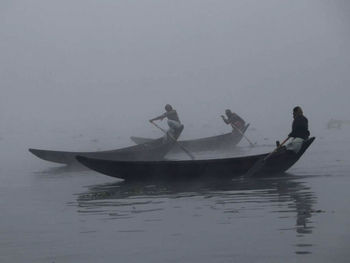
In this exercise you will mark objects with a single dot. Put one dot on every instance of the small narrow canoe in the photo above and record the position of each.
(213, 143)
(193, 169)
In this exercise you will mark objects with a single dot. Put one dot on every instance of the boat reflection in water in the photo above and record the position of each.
(280, 198)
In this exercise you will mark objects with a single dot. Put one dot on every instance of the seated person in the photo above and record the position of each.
(300, 130)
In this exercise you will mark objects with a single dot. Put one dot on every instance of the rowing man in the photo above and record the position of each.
(175, 126)
(233, 119)
(300, 130)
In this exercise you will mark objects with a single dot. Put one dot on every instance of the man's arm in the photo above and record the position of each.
(225, 120)
(293, 130)
(297, 126)
(161, 117)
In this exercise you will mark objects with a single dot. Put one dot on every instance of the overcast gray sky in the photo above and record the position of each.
(113, 64)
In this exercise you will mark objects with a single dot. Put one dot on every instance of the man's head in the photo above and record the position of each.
(297, 111)
(168, 107)
(228, 112)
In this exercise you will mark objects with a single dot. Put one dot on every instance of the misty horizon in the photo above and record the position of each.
(108, 67)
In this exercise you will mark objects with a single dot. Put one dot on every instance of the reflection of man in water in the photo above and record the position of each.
(300, 130)
(233, 119)
(175, 126)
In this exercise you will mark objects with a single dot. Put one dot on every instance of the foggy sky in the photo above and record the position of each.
(109, 66)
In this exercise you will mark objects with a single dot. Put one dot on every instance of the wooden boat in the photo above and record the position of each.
(167, 170)
(150, 151)
(219, 142)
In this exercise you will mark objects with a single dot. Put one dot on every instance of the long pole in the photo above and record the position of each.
(235, 127)
(171, 137)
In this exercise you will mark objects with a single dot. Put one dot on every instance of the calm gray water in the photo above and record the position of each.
(51, 214)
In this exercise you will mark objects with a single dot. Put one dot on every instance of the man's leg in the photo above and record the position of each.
(175, 128)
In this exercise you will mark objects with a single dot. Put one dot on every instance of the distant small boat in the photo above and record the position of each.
(219, 142)
(332, 123)
(154, 150)
(166, 170)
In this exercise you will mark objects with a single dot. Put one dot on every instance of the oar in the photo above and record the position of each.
(235, 127)
(261, 162)
(171, 137)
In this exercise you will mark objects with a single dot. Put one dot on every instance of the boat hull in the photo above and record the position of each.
(193, 169)
(219, 142)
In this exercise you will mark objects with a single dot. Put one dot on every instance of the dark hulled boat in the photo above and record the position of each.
(219, 142)
(149, 151)
(278, 162)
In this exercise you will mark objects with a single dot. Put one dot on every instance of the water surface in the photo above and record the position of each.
(54, 214)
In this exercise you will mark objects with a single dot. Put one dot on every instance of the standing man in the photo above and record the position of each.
(233, 119)
(300, 130)
(175, 126)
